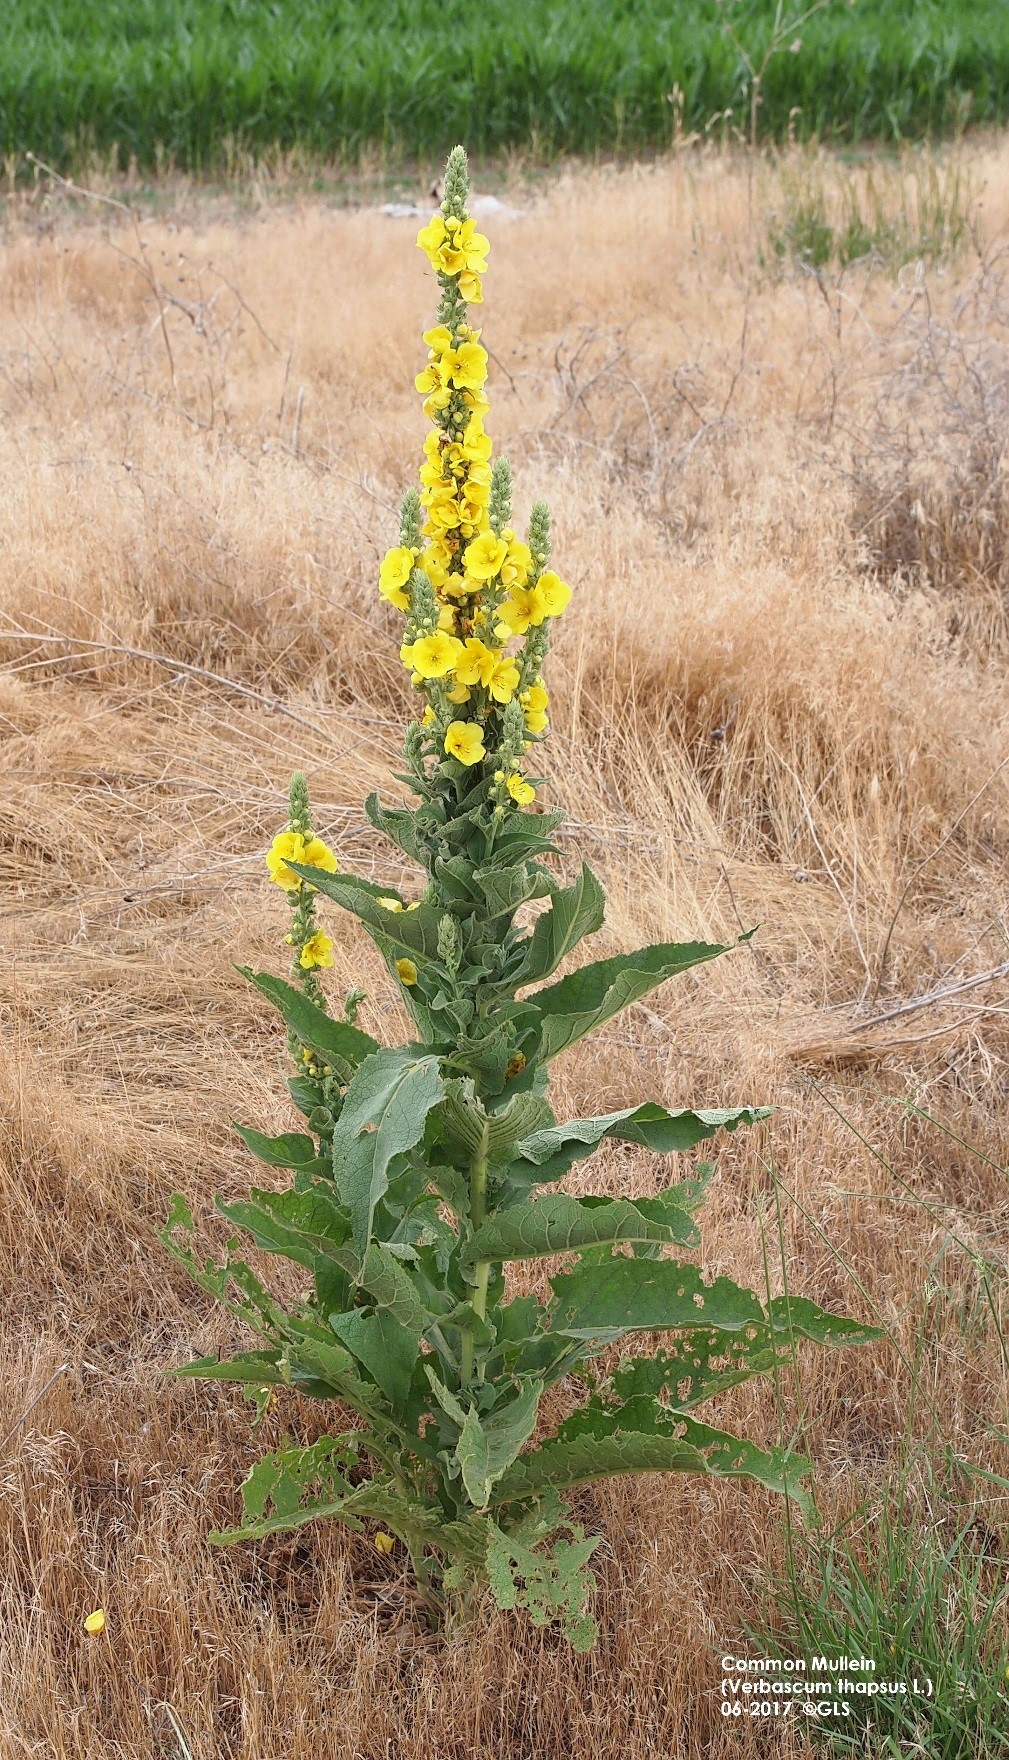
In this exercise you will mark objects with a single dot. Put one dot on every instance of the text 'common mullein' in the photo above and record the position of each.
(422, 1171)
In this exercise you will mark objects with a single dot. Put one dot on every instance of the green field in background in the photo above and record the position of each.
(192, 80)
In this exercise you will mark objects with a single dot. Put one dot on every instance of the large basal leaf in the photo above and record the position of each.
(638, 1438)
(550, 1582)
(575, 911)
(647, 1295)
(487, 1446)
(292, 1149)
(336, 1040)
(555, 1149)
(384, 1115)
(559, 1223)
(586, 998)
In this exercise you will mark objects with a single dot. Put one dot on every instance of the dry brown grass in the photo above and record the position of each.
(781, 698)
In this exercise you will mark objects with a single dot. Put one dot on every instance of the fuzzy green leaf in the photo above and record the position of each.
(487, 1446)
(796, 1314)
(575, 912)
(554, 1150)
(384, 1115)
(390, 1286)
(250, 1367)
(302, 1226)
(399, 824)
(387, 1349)
(335, 1040)
(550, 1582)
(292, 1149)
(586, 998)
(504, 889)
(706, 1361)
(644, 1295)
(469, 1129)
(640, 1438)
(413, 931)
(559, 1223)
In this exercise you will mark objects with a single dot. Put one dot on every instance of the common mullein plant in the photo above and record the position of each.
(424, 1170)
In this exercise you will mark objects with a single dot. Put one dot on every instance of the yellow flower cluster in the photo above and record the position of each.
(455, 247)
(486, 586)
(311, 852)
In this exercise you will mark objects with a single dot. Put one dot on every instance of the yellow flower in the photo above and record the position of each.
(521, 791)
(471, 288)
(465, 248)
(432, 380)
(476, 663)
(317, 951)
(466, 366)
(517, 612)
(286, 846)
(431, 237)
(435, 562)
(407, 971)
(459, 693)
(476, 446)
(530, 605)
(290, 846)
(483, 558)
(393, 575)
(95, 1622)
(390, 904)
(319, 855)
(534, 701)
(455, 247)
(503, 680)
(432, 656)
(384, 1544)
(438, 339)
(552, 594)
(518, 563)
(464, 740)
(442, 516)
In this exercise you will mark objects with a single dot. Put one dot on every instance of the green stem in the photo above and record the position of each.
(481, 1274)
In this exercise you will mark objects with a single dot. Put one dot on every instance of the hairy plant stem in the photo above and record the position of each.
(481, 1274)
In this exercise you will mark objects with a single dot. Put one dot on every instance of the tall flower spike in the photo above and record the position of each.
(470, 589)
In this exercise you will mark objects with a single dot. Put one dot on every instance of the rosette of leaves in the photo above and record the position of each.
(422, 1171)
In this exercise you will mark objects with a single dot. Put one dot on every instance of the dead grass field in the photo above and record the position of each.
(780, 699)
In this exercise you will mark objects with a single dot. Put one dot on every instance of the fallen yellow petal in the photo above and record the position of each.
(95, 1622)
